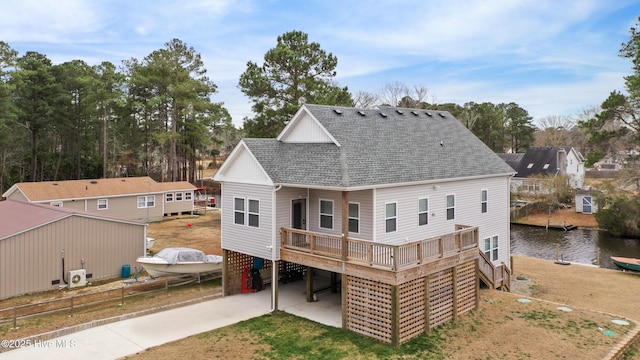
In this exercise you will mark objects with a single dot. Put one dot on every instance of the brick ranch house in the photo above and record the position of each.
(405, 208)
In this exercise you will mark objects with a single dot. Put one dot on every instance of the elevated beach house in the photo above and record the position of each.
(405, 208)
(131, 198)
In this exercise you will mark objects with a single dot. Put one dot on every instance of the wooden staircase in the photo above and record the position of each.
(495, 277)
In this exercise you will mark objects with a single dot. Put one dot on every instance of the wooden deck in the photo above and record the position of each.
(391, 264)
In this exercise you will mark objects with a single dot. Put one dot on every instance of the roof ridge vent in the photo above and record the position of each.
(337, 111)
(362, 113)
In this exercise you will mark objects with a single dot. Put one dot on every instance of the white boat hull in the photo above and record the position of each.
(157, 268)
(179, 261)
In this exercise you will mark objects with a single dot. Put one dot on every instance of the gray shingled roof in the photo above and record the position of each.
(405, 146)
(539, 157)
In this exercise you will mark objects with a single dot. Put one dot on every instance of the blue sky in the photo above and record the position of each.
(552, 57)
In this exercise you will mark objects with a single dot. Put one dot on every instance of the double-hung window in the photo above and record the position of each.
(423, 212)
(238, 211)
(146, 201)
(178, 196)
(484, 201)
(491, 247)
(254, 213)
(102, 204)
(391, 217)
(168, 197)
(246, 212)
(326, 214)
(451, 207)
(354, 217)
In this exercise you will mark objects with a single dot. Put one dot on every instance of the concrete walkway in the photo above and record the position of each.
(127, 337)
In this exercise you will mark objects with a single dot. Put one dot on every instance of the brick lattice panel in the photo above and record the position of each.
(369, 308)
(413, 320)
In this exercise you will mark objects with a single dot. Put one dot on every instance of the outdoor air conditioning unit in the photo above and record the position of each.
(77, 278)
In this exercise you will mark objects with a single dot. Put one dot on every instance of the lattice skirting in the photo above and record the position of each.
(396, 314)
(234, 265)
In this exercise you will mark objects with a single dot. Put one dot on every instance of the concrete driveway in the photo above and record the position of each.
(130, 336)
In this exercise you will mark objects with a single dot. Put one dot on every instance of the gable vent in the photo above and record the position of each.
(399, 111)
(415, 113)
(442, 115)
(383, 115)
(361, 113)
(337, 111)
(429, 114)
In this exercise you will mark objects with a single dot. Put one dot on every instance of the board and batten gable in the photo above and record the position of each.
(304, 128)
(468, 210)
(256, 241)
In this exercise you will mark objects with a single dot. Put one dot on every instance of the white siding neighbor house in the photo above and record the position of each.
(390, 201)
(545, 161)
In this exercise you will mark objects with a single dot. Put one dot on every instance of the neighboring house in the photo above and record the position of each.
(546, 161)
(131, 198)
(586, 202)
(44, 247)
(393, 203)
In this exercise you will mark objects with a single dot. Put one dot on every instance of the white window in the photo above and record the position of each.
(188, 196)
(530, 166)
(354, 217)
(484, 201)
(451, 207)
(103, 204)
(146, 201)
(545, 166)
(168, 197)
(423, 212)
(326, 214)
(391, 217)
(254, 213)
(56, 203)
(238, 211)
(491, 248)
(178, 196)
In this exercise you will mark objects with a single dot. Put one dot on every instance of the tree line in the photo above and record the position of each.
(155, 116)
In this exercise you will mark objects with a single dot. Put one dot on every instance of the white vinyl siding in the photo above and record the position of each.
(423, 211)
(326, 214)
(56, 203)
(256, 241)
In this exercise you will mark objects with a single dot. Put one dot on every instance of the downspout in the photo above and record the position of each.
(63, 280)
(274, 251)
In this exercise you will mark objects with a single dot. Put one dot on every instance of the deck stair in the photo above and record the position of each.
(494, 276)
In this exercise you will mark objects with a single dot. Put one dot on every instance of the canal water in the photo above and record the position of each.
(583, 246)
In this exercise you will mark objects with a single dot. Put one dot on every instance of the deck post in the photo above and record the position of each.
(427, 307)
(343, 299)
(345, 225)
(395, 315)
(309, 284)
(455, 292)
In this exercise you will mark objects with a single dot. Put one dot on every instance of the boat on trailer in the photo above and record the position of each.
(626, 263)
(180, 261)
